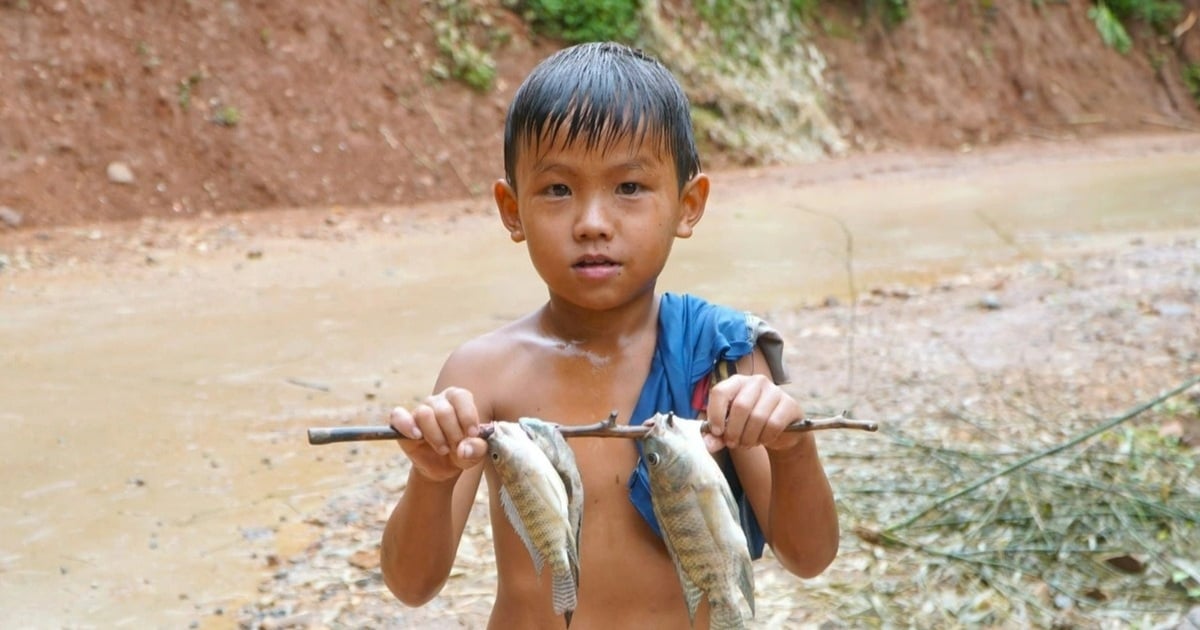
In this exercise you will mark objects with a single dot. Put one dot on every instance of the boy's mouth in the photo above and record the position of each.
(587, 262)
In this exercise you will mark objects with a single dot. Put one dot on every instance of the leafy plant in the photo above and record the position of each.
(1191, 78)
(459, 56)
(1160, 14)
(227, 116)
(1110, 28)
(894, 11)
(185, 90)
(738, 24)
(1110, 17)
(586, 21)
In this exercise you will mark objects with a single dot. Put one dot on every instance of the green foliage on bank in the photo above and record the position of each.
(576, 22)
(1191, 78)
(1112, 16)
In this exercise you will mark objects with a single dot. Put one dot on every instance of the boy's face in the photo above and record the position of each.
(600, 222)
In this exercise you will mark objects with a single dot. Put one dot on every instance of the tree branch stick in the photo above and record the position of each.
(605, 428)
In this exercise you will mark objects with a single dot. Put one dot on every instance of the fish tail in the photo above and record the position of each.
(565, 593)
(725, 615)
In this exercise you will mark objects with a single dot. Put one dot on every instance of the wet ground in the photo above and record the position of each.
(156, 378)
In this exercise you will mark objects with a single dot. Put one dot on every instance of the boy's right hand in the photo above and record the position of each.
(443, 434)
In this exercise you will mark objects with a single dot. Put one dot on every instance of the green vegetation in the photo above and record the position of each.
(1110, 28)
(1191, 78)
(1161, 14)
(1111, 16)
(576, 22)
(738, 25)
(465, 41)
(1098, 520)
(227, 116)
(185, 90)
(894, 11)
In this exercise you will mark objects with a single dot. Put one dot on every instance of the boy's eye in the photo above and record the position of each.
(558, 190)
(628, 188)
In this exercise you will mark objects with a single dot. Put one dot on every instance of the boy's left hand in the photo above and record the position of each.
(747, 410)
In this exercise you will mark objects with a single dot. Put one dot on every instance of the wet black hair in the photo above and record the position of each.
(601, 92)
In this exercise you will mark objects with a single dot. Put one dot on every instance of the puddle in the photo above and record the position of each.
(155, 421)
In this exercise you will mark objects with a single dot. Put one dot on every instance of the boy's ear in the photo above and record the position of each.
(506, 203)
(691, 204)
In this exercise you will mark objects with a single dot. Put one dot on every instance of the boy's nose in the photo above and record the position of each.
(594, 221)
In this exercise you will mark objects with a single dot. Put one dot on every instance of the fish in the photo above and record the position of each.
(548, 438)
(699, 520)
(535, 501)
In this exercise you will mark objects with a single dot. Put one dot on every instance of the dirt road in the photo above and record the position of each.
(157, 377)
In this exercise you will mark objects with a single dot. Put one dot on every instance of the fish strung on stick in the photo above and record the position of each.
(535, 501)
(699, 520)
(604, 428)
(548, 438)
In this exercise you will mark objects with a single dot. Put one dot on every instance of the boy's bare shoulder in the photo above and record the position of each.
(483, 356)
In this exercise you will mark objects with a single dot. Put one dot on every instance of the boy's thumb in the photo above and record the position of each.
(471, 450)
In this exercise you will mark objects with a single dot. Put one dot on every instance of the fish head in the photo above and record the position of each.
(664, 442)
(543, 433)
(506, 440)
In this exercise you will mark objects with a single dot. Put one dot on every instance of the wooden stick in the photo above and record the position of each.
(604, 428)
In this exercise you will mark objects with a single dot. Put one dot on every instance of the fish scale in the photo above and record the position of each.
(699, 520)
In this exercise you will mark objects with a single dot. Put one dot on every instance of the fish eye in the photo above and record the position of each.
(652, 459)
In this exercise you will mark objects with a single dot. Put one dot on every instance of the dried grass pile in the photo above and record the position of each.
(1098, 529)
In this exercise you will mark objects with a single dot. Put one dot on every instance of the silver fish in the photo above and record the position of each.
(699, 520)
(554, 445)
(535, 502)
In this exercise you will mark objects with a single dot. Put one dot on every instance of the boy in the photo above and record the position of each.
(601, 175)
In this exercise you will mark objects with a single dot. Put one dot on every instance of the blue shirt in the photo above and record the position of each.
(693, 336)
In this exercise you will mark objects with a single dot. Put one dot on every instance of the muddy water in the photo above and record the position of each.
(155, 418)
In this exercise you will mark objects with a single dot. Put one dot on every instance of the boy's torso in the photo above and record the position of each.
(625, 572)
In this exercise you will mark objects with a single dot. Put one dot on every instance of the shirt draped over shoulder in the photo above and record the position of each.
(694, 336)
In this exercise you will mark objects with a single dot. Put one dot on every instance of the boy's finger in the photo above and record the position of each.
(740, 408)
(402, 421)
(718, 410)
(447, 421)
(712, 442)
(464, 407)
(760, 416)
(431, 431)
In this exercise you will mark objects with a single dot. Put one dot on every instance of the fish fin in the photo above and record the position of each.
(734, 537)
(746, 583)
(565, 593)
(692, 595)
(573, 560)
(514, 518)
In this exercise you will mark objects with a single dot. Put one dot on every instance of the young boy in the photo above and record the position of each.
(601, 176)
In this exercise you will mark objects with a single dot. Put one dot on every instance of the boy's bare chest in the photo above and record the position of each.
(574, 386)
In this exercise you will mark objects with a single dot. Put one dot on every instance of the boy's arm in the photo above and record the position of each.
(421, 537)
(422, 534)
(782, 476)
